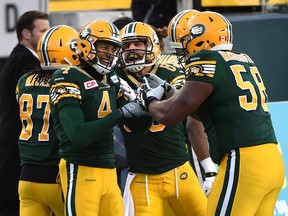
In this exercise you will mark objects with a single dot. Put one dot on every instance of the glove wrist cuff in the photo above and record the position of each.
(210, 174)
(208, 165)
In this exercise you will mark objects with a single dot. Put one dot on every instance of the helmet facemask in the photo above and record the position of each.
(134, 60)
(108, 61)
(98, 45)
(141, 47)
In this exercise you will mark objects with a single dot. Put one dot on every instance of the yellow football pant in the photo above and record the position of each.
(179, 187)
(40, 199)
(248, 182)
(90, 191)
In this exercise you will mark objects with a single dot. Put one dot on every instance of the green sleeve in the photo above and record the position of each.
(83, 133)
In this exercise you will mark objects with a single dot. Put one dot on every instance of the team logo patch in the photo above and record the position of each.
(90, 84)
(183, 176)
(196, 69)
(197, 30)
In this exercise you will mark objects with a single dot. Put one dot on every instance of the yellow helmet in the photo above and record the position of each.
(175, 26)
(90, 35)
(206, 30)
(57, 47)
(139, 31)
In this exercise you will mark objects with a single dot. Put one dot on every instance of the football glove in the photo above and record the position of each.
(128, 92)
(154, 81)
(146, 94)
(210, 174)
(132, 110)
(208, 182)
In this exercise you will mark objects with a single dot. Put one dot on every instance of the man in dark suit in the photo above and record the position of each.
(30, 27)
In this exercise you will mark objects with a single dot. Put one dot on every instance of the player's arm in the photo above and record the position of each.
(184, 103)
(197, 137)
(83, 133)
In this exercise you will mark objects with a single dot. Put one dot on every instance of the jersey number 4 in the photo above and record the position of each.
(238, 71)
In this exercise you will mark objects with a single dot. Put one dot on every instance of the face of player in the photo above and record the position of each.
(106, 53)
(133, 51)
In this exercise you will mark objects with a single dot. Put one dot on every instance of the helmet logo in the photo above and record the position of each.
(85, 33)
(197, 30)
(155, 38)
(73, 45)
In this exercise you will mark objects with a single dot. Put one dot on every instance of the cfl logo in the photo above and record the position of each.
(85, 32)
(197, 30)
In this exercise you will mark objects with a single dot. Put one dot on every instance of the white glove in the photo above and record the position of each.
(132, 110)
(208, 182)
(154, 81)
(210, 174)
(127, 90)
(146, 94)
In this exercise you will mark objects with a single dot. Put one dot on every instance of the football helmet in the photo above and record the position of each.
(206, 30)
(130, 58)
(57, 47)
(89, 37)
(175, 26)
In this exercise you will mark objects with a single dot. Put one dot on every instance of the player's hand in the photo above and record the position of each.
(208, 182)
(127, 90)
(132, 110)
(154, 81)
(146, 94)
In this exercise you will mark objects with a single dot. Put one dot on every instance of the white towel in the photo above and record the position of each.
(127, 196)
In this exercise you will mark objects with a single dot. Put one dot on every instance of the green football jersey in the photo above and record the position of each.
(236, 114)
(162, 148)
(38, 144)
(95, 102)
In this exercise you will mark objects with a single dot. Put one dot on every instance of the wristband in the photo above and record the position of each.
(210, 174)
(149, 100)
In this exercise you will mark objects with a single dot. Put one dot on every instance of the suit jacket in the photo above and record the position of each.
(20, 61)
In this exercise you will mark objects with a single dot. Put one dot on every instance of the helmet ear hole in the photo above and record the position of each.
(199, 44)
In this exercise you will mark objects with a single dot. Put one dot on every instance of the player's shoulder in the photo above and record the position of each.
(203, 55)
(167, 69)
(69, 74)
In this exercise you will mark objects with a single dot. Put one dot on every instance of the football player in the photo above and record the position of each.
(39, 192)
(226, 91)
(158, 160)
(194, 130)
(83, 103)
